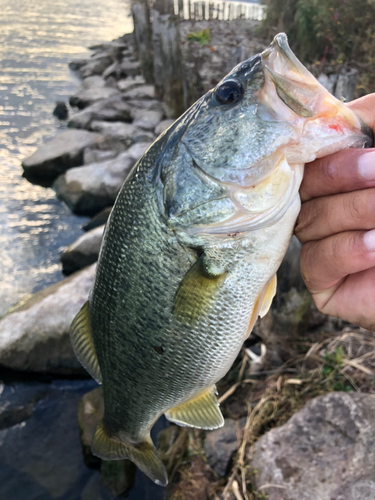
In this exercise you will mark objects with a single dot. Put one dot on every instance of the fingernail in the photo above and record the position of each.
(369, 240)
(366, 165)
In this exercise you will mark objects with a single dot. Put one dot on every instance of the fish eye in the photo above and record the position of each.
(229, 92)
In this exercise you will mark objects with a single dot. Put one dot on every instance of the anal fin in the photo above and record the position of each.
(143, 454)
(202, 412)
(83, 343)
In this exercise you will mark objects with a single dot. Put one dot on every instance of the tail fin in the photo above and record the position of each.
(144, 454)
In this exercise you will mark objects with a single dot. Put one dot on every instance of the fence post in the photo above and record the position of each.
(142, 38)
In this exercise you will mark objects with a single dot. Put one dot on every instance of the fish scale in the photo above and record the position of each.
(192, 246)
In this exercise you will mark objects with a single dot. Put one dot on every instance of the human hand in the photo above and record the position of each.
(336, 227)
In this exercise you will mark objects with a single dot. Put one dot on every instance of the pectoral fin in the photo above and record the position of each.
(143, 454)
(202, 412)
(196, 292)
(268, 296)
(83, 343)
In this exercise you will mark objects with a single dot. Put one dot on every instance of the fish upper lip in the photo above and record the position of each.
(366, 130)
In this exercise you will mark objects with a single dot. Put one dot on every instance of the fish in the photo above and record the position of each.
(192, 246)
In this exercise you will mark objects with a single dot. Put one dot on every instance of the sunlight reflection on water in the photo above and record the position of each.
(37, 40)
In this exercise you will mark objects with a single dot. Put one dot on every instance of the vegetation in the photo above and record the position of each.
(202, 37)
(323, 32)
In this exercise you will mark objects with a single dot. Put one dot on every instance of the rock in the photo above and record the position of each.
(76, 64)
(117, 475)
(137, 150)
(98, 220)
(346, 84)
(130, 68)
(87, 97)
(162, 127)
(219, 446)
(40, 452)
(130, 83)
(87, 190)
(111, 110)
(82, 252)
(35, 335)
(143, 136)
(150, 104)
(119, 131)
(111, 70)
(61, 111)
(94, 66)
(325, 451)
(146, 119)
(59, 154)
(142, 92)
(93, 82)
(97, 155)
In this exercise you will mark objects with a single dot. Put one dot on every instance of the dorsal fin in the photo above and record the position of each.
(83, 343)
(202, 412)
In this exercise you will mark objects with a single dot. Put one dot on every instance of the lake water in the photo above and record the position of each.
(37, 40)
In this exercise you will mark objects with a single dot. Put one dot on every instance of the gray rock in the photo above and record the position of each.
(143, 136)
(137, 150)
(93, 82)
(112, 70)
(147, 119)
(76, 64)
(82, 252)
(59, 154)
(87, 190)
(94, 66)
(98, 219)
(113, 109)
(97, 155)
(130, 68)
(219, 446)
(87, 97)
(162, 127)
(143, 92)
(130, 83)
(61, 110)
(40, 450)
(325, 451)
(150, 104)
(35, 336)
(119, 131)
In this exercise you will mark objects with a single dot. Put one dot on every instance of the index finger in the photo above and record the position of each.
(347, 170)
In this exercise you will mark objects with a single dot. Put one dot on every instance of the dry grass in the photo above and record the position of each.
(339, 361)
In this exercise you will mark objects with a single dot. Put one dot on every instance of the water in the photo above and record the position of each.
(37, 40)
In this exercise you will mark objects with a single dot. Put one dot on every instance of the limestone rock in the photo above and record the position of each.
(162, 127)
(137, 150)
(87, 97)
(325, 451)
(35, 336)
(91, 155)
(142, 92)
(87, 190)
(92, 82)
(98, 219)
(82, 252)
(151, 104)
(119, 131)
(130, 83)
(219, 446)
(147, 119)
(95, 65)
(130, 68)
(59, 154)
(111, 110)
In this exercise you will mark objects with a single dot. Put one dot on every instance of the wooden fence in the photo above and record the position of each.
(200, 10)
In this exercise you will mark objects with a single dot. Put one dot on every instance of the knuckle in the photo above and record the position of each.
(357, 205)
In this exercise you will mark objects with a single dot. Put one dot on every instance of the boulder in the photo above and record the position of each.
(83, 251)
(325, 451)
(137, 150)
(147, 119)
(219, 446)
(98, 219)
(92, 82)
(95, 66)
(97, 155)
(35, 335)
(142, 92)
(61, 110)
(87, 97)
(130, 83)
(87, 190)
(151, 104)
(40, 451)
(130, 68)
(63, 152)
(162, 127)
(111, 110)
(119, 131)
(76, 64)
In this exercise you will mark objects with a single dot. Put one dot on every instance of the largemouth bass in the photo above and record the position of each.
(192, 246)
